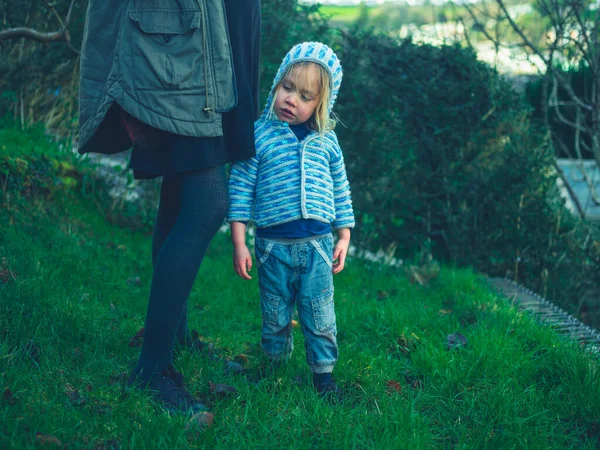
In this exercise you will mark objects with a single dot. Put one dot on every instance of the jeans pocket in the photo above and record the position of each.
(324, 312)
(269, 305)
(324, 250)
(262, 250)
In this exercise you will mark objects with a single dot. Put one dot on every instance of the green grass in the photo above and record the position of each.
(388, 17)
(347, 14)
(69, 304)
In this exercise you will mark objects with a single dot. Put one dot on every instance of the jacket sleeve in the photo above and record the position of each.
(344, 215)
(242, 189)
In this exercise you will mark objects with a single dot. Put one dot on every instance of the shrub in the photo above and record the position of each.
(442, 157)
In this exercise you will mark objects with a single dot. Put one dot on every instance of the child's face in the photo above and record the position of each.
(298, 95)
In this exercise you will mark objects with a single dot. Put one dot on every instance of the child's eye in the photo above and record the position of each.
(305, 98)
(286, 86)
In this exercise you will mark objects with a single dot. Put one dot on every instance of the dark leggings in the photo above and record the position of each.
(191, 209)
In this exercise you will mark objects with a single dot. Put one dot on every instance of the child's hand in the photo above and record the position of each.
(339, 254)
(242, 261)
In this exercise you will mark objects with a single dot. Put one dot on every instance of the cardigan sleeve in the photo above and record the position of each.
(344, 215)
(242, 190)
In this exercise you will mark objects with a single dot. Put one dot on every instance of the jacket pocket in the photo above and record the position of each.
(168, 47)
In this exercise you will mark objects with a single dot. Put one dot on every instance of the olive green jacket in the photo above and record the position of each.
(166, 62)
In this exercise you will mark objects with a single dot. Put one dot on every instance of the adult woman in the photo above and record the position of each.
(178, 79)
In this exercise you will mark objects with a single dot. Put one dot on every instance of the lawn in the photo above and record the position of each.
(73, 292)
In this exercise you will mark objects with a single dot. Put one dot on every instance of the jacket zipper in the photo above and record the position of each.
(207, 109)
(302, 176)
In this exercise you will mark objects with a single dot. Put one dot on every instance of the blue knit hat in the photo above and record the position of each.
(316, 52)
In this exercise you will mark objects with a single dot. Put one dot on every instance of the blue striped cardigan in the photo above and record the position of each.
(288, 180)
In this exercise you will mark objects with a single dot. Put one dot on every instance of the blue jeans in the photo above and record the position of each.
(298, 271)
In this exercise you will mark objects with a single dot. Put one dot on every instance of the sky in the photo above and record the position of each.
(378, 2)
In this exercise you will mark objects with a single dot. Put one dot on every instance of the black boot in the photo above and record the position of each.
(167, 388)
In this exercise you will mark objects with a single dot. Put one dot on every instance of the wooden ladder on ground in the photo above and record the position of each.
(547, 313)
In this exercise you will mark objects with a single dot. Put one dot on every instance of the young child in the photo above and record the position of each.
(295, 190)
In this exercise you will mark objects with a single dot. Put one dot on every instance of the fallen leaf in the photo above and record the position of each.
(295, 324)
(101, 408)
(73, 395)
(382, 295)
(444, 312)
(467, 318)
(201, 420)
(4, 276)
(9, 398)
(222, 390)
(233, 368)
(407, 344)
(393, 386)
(137, 339)
(241, 359)
(46, 439)
(455, 340)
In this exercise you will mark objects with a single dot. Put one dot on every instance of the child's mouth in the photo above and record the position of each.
(287, 113)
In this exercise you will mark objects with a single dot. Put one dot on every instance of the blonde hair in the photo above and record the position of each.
(321, 120)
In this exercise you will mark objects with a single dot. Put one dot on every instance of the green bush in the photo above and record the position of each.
(32, 163)
(35, 167)
(442, 157)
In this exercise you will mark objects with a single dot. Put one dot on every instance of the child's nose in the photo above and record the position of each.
(291, 99)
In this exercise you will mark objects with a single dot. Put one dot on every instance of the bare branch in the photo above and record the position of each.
(30, 33)
(566, 184)
(518, 30)
(480, 26)
(584, 54)
(68, 19)
(591, 61)
(53, 9)
(553, 102)
(39, 36)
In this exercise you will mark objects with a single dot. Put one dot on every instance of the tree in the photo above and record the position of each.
(570, 39)
(62, 34)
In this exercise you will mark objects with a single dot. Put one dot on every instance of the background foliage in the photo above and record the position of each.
(442, 155)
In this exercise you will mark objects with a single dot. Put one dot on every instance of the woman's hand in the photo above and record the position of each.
(242, 261)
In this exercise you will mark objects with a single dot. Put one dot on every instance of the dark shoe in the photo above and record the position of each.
(167, 388)
(326, 386)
